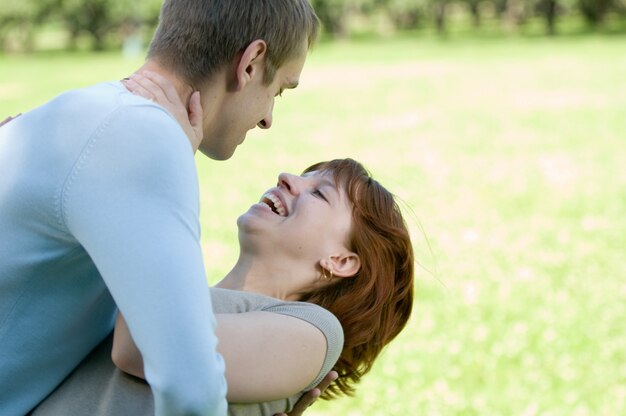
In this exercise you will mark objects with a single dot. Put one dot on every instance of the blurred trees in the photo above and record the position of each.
(103, 23)
(414, 14)
(96, 20)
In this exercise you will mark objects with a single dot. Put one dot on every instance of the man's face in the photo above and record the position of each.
(246, 109)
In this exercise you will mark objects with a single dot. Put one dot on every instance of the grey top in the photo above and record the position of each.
(98, 388)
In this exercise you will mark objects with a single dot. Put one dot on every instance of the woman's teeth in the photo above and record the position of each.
(274, 203)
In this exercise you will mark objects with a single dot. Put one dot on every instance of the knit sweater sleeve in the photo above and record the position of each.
(132, 202)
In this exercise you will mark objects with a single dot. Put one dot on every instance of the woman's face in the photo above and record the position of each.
(306, 217)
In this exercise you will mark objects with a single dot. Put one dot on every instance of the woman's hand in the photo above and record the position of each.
(160, 90)
(309, 398)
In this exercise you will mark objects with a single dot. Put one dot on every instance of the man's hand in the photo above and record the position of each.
(6, 120)
(160, 90)
(309, 398)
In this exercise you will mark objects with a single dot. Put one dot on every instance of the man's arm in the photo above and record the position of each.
(132, 203)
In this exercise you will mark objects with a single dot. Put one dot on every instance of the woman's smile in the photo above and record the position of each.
(275, 202)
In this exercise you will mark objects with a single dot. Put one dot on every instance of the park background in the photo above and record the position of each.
(499, 124)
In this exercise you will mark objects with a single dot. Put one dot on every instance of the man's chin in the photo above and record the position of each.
(217, 154)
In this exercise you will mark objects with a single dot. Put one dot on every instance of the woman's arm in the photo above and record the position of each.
(125, 354)
(257, 347)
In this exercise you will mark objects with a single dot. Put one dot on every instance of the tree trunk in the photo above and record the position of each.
(515, 15)
(475, 12)
(594, 10)
(97, 17)
(550, 7)
(440, 16)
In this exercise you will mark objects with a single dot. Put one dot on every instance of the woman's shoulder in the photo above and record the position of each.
(235, 301)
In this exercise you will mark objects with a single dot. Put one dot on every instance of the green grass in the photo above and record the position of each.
(508, 155)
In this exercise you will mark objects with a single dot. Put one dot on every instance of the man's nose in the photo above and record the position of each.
(266, 123)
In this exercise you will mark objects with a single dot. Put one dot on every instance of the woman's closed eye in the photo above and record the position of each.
(319, 194)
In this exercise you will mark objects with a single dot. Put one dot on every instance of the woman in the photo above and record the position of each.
(331, 240)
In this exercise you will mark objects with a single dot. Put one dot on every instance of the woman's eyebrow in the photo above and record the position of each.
(331, 184)
(323, 181)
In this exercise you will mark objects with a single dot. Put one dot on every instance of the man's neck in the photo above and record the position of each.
(183, 89)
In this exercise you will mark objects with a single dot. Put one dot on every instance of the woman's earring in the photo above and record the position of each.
(326, 277)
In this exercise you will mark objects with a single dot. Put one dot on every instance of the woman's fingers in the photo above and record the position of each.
(160, 90)
(9, 118)
(5, 121)
(143, 86)
(134, 87)
(330, 377)
(160, 85)
(305, 401)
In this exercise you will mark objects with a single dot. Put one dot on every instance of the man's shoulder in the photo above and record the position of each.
(128, 121)
(112, 98)
(101, 94)
(96, 104)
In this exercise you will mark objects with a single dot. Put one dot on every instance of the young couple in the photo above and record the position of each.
(99, 211)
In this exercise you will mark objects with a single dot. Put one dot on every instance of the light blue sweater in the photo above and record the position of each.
(98, 190)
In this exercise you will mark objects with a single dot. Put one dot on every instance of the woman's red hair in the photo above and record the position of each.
(375, 305)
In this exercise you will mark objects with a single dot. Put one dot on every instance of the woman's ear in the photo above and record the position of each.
(251, 63)
(342, 265)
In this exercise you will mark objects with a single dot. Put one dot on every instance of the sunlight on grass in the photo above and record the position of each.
(509, 154)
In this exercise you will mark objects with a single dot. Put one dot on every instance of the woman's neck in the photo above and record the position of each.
(276, 279)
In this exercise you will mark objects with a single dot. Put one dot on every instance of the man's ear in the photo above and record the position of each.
(346, 264)
(251, 63)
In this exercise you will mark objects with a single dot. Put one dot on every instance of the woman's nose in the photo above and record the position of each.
(291, 183)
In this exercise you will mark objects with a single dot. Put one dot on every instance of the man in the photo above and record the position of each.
(99, 204)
